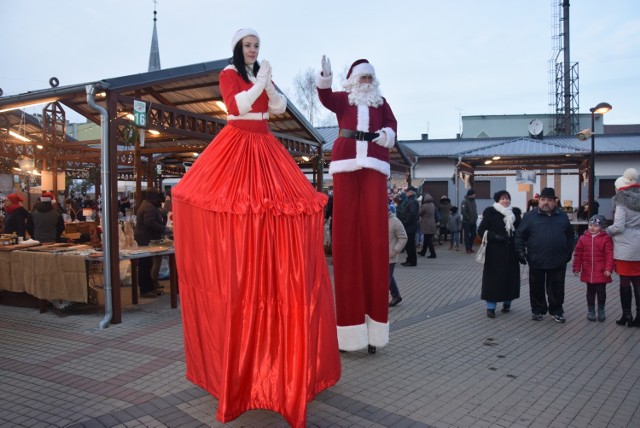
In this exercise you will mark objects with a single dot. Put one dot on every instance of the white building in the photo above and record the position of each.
(507, 154)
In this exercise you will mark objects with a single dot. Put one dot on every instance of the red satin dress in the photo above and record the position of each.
(257, 304)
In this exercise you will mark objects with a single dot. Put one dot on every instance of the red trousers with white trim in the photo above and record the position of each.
(361, 258)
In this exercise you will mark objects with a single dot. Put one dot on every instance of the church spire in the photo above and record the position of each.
(154, 55)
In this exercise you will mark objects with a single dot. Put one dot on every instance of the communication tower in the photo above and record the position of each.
(563, 74)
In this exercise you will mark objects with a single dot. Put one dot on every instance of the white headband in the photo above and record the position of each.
(241, 34)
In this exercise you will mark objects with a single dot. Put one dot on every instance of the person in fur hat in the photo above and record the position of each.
(625, 232)
(360, 167)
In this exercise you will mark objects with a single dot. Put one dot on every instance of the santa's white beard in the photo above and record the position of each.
(366, 94)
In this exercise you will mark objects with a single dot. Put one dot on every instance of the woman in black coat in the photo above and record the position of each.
(501, 274)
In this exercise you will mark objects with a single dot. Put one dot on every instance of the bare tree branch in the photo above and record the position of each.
(306, 96)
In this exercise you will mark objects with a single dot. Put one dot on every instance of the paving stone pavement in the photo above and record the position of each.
(447, 365)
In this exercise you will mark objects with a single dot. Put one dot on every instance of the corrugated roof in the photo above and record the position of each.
(522, 146)
(329, 135)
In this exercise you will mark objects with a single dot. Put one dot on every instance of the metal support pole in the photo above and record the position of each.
(592, 164)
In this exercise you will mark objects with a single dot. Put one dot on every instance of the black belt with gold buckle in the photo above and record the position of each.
(358, 135)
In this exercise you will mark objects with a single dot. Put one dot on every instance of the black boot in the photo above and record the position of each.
(601, 314)
(636, 321)
(625, 302)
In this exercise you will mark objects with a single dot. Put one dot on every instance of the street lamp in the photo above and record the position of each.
(601, 108)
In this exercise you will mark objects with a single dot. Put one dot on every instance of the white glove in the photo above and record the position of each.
(386, 138)
(271, 90)
(277, 101)
(326, 66)
(264, 74)
(381, 139)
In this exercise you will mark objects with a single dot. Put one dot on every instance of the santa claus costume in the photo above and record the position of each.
(257, 306)
(360, 167)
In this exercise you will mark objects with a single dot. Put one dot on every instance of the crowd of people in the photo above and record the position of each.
(542, 238)
(45, 222)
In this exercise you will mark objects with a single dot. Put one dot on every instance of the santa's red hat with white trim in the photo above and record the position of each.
(360, 68)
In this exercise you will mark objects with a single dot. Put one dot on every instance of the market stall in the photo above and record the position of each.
(53, 272)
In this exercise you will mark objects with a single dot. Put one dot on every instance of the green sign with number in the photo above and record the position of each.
(139, 113)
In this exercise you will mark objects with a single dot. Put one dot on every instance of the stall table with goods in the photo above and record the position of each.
(67, 272)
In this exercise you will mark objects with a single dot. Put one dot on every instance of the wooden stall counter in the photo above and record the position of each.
(61, 271)
(133, 255)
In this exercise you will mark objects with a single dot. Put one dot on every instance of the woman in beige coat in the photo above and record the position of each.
(397, 241)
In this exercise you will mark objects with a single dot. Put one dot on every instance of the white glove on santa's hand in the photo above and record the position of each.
(326, 66)
(386, 138)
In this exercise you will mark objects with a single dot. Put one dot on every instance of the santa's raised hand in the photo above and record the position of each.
(326, 66)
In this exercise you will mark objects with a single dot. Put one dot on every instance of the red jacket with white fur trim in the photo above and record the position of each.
(351, 155)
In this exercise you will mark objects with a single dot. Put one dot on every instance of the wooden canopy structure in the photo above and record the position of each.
(184, 112)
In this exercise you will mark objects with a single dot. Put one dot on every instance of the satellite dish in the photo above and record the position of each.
(536, 128)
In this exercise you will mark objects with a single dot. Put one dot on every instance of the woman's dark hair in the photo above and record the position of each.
(499, 194)
(238, 62)
(453, 209)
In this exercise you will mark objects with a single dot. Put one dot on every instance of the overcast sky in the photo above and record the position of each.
(436, 60)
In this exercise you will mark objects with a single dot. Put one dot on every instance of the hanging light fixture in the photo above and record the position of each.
(26, 164)
(19, 137)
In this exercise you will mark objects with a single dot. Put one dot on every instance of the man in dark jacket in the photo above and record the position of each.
(149, 226)
(48, 224)
(469, 213)
(409, 219)
(545, 240)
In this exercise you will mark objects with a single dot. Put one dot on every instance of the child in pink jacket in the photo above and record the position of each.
(593, 260)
